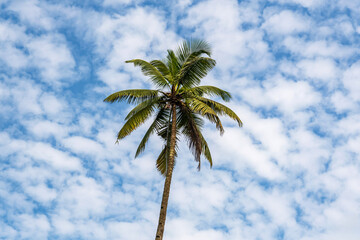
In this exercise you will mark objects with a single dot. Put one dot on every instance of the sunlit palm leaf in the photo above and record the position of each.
(149, 70)
(202, 108)
(142, 105)
(173, 64)
(191, 72)
(135, 121)
(191, 126)
(190, 49)
(132, 95)
(206, 151)
(161, 164)
(221, 109)
(163, 69)
(210, 91)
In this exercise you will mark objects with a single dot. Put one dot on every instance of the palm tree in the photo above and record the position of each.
(178, 103)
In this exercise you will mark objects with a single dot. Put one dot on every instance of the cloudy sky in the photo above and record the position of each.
(292, 171)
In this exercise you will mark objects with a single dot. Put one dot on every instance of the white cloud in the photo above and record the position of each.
(54, 157)
(180, 229)
(320, 48)
(31, 12)
(234, 49)
(11, 33)
(129, 230)
(33, 226)
(129, 39)
(291, 96)
(249, 155)
(52, 105)
(211, 196)
(287, 96)
(41, 193)
(351, 81)
(305, 3)
(342, 102)
(6, 231)
(13, 57)
(348, 126)
(286, 22)
(81, 145)
(276, 204)
(63, 226)
(310, 3)
(84, 197)
(291, 168)
(25, 95)
(108, 3)
(207, 12)
(323, 69)
(51, 55)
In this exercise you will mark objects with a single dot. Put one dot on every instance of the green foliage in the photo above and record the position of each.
(132, 95)
(150, 70)
(177, 79)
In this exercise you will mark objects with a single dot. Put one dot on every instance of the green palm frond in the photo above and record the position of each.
(210, 91)
(191, 49)
(192, 71)
(191, 125)
(206, 151)
(132, 95)
(163, 69)
(203, 109)
(165, 133)
(150, 70)
(142, 105)
(173, 64)
(197, 45)
(177, 79)
(160, 118)
(161, 164)
(200, 107)
(135, 121)
(221, 109)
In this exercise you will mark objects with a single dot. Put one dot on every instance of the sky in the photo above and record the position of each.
(291, 172)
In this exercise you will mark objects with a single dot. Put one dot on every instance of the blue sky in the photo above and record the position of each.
(292, 171)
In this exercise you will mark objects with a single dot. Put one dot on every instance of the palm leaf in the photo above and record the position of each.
(135, 121)
(132, 95)
(200, 107)
(165, 133)
(172, 63)
(210, 91)
(142, 105)
(206, 152)
(149, 70)
(192, 71)
(161, 164)
(190, 124)
(160, 117)
(163, 69)
(221, 109)
(193, 48)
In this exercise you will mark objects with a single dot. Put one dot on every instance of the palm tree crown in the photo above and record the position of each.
(178, 104)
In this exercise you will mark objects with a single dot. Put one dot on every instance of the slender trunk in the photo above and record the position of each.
(166, 192)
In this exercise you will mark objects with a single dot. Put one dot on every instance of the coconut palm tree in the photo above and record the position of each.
(177, 105)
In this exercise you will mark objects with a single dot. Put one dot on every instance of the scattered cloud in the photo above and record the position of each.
(291, 172)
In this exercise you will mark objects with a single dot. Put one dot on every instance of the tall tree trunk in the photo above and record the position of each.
(166, 192)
